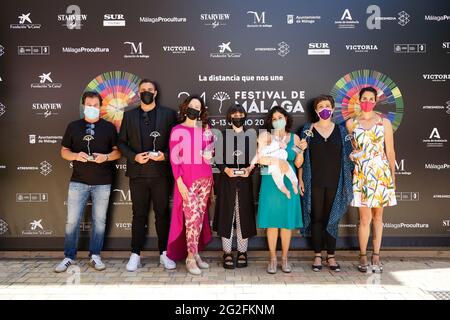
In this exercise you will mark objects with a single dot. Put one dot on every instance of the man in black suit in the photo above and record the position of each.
(144, 141)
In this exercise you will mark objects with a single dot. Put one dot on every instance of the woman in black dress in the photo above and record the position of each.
(234, 203)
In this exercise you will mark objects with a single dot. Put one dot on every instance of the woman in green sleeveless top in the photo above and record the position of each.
(278, 209)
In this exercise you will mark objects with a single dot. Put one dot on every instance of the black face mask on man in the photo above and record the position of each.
(146, 97)
(192, 113)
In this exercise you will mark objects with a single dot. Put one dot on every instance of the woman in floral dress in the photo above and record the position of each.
(374, 174)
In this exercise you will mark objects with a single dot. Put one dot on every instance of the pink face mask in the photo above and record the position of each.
(367, 106)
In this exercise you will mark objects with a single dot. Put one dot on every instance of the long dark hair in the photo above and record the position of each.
(183, 107)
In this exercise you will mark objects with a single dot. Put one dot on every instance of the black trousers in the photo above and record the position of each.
(321, 203)
(143, 192)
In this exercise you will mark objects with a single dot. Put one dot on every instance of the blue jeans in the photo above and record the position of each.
(76, 203)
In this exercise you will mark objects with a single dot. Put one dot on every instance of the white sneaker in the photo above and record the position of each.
(134, 263)
(200, 263)
(63, 265)
(96, 263)
(167, 262)
(192, 267)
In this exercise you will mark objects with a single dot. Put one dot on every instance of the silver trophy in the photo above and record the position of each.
(154, 135)
(357, 152)
(309, 134)
(208, 151)
(89, 138)
(238, 171)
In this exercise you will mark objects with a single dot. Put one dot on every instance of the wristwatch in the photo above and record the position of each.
(107, 157)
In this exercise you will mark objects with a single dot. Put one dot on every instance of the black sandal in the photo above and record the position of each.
(337, 267)
(228, 261)
(241, 260)
(317, 268)
(363, 268)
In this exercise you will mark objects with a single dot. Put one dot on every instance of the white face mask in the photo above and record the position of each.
(91, 112)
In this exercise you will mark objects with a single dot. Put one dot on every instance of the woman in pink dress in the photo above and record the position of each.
(190, 154)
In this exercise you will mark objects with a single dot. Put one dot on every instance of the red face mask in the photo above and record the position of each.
(367, 106)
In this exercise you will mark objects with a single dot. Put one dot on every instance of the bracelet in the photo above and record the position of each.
(107, 157)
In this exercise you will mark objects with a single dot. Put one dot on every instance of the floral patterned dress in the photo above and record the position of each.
(373, 185)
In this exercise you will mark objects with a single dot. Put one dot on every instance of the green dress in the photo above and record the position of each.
(275, 210)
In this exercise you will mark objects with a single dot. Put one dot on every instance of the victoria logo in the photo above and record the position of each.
(136, 50)
(225, 51)
(179, 49)
(361, 48)
(25, 22)
(73, 19)
(436, 77)
(46, 82)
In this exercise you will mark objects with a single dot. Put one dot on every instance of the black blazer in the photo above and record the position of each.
(129, 142)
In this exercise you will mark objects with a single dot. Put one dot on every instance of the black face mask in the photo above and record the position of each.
(238, 122)
(146, 97)
(192, 113)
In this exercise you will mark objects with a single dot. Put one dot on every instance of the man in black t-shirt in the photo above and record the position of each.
(91, 144)
(144, 141)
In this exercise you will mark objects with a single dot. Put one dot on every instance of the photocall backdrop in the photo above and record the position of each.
(256, 53)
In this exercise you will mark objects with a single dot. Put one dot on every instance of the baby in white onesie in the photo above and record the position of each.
(275, 149)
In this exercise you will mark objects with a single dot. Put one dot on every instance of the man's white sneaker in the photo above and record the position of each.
(63, 265)
(97, 263)
(134, 263)
(200, 263)
(167, 262)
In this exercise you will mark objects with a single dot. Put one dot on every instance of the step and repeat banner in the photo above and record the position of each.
(255, 53)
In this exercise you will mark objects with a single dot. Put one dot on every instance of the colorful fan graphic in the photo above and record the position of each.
(346, 89)
(118, 90)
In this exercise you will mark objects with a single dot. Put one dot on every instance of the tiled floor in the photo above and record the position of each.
(408, 275)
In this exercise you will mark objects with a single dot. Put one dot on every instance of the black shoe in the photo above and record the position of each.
(228, 261)
(336, 267)
(241, 261)
(363, 268)
(316, 267)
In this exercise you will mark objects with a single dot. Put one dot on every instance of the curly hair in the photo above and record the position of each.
(185, 104)
(279, 109)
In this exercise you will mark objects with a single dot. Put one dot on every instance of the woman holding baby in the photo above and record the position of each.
(325, 180)
(279, 152)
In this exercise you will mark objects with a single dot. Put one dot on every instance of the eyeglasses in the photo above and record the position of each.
(90, 129)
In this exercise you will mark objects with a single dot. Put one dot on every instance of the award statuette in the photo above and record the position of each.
(357, 152)
(238, 171)
(208, 151)
(308, 135)
(154, 135)
(89, 137)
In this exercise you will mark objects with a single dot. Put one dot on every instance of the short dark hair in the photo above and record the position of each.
(323, 97)
(91, 94)
(368, 89)
(145, 80)
(286, 114)
(233, 109)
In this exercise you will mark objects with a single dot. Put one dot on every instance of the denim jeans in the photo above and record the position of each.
(77, 199)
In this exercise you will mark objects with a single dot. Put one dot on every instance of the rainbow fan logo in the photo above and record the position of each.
(118, 90)
(346, 95)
